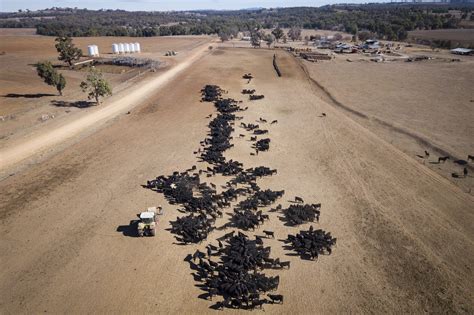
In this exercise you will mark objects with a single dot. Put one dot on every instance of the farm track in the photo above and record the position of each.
(405, 234)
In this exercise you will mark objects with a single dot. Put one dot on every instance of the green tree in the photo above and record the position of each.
(294, 33)
(60, 83)
(50, 76)
(224, 36)
(269, 39)
(96, 85)
(365, 35)
(68, 52)
(255, 39)
(278, 33)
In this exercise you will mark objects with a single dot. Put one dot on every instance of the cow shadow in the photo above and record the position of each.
(460, 162)
(293, 252)
(287, 222)
(130, 230)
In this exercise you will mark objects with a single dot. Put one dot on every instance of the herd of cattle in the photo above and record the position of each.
(233, 269)
(311, 243)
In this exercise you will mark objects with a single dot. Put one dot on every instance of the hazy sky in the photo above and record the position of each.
(160, 5)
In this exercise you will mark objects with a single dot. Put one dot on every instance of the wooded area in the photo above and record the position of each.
(388, 21)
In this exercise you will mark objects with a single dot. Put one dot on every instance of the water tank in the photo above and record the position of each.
(91, 50)
(115, 49)
(127, 47)
(137, 47)
(132, 47)
(121, 48)
(96, 50)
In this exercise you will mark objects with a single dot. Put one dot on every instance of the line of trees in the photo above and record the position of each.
(389, 21)
(95, 84)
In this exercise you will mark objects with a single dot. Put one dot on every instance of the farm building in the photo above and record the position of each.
(371, 44)
(322, 44)
(462, 51)
(344, 48)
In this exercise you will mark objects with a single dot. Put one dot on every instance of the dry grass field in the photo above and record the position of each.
(18, 32)
(415, 106)
(463, 37)
(404, 233)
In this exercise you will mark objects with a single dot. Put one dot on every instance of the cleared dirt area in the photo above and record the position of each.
(416, 106)
(405, 234)
(18, 32)
(28, 104)
(463, 37)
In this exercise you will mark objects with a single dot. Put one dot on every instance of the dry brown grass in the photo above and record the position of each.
(463, 37)
(416, 106)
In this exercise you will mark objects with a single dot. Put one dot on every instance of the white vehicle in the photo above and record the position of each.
(148, 221)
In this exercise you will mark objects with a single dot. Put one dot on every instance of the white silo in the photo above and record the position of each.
(121, 48)
(96, 50)
(91, 50)
(132, 47)
(127, 47)
(115, 49)
(137, 47)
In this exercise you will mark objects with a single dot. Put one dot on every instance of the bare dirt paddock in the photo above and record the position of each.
(405, 234)
(416, 106)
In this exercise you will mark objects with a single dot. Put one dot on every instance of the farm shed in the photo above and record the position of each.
(461, 51)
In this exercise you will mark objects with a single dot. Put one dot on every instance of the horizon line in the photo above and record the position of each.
(241, 9)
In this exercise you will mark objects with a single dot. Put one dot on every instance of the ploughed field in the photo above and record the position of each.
(404, 233)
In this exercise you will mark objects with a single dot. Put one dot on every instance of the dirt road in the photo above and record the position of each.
(405, 234)
(121, 103)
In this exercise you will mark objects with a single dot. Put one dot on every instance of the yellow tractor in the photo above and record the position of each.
(148, 221)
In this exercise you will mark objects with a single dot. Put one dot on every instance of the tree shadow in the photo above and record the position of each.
(77, 104)
(37, 95)
(129, 230)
